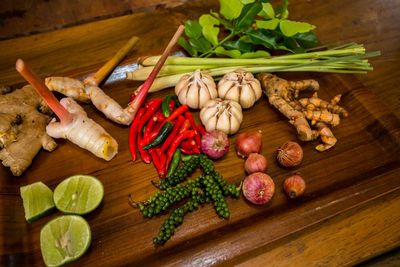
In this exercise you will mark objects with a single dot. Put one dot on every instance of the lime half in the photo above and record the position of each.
(64, 239)
(78, 194)
(37, 199)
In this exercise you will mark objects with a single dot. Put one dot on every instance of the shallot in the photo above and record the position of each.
(215, 144)
(294, 186)
(255, 163)
(248, 143)
(258, 188)
(290, 154)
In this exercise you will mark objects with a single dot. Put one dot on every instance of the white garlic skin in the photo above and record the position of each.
(222, 115)
(240, 86)
(195, 89)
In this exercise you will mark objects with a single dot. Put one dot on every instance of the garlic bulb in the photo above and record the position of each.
(222, 115)
(240, 86)
(195, 89)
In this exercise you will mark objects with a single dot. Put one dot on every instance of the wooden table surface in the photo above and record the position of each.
(370, 229)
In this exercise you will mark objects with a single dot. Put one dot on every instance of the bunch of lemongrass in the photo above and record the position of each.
(349, 58)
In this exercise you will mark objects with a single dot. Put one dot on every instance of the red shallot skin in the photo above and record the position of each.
(255, 163)
(294, 186)
(248, 143)
(290, 154)
(215, 144)
(258, 188)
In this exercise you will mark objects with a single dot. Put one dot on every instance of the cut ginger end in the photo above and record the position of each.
(109, 150)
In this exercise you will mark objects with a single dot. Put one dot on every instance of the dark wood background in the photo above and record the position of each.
(348, 238)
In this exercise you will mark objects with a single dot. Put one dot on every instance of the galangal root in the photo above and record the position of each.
(89, 91)
(23, 119)
(74, 124)
(304, 113)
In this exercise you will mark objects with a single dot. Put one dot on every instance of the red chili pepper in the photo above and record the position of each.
(181, 119)
(201, 129)
(171, 105)
(196, 150)
(163, 160)
(170, 138)
(182, 109)
(152, 109)
(188, 143)
(133, 133)
(187, 151)
(152, 135)
(185, 126)
(157, 162)
(179, 138)
(143, 153)
(159, 117)
(148, 130)
(153, 130)
(151, 102)
(197, 138)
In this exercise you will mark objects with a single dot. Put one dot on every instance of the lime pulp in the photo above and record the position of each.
(64, 239)
(78, 194)
(37, 199)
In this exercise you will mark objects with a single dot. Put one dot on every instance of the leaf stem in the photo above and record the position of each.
(211, 51)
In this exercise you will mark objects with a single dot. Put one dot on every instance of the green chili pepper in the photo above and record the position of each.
(165, 104)
(188, 157)
(175, 162)
(161, 136)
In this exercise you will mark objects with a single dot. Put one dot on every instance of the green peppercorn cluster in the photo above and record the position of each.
(181, 173)
(208, 187)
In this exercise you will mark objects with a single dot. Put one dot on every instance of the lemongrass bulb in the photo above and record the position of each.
(195, 89)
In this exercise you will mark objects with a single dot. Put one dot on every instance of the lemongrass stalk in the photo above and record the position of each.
(171, 80)
(96, 78)
(133, 107)
(174, 60)
(41, 88)
(142, 73)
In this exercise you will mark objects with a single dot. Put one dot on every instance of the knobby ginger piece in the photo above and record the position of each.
(83, 131)
(23, 128)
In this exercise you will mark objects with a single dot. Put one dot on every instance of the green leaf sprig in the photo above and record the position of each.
(250, 24)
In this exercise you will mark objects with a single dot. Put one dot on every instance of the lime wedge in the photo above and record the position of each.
(37, 199)
(78, 194)
(64, 239)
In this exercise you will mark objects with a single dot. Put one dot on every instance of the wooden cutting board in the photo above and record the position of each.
(362, 166)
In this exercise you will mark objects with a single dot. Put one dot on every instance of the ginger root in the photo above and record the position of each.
(23, 120)
(304, 113)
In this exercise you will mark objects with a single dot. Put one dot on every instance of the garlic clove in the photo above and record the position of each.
(223, 123)
(233, 92)
(247, 96)
(204, 95)
(211, 124)
(182, 83)
(208, 112)
(236, 111)
(257, 88)
(223, 87)
(235, 125)
(192, 99)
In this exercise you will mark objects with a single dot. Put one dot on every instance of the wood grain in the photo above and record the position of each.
(22, 18)
(363, 166)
